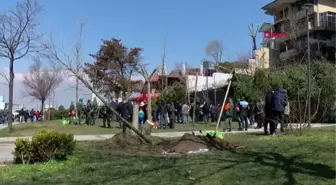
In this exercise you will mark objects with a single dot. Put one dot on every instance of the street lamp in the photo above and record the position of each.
(307, 6)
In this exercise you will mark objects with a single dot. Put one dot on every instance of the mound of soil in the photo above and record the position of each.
(189, 142)
(126, 144)
(129, 144)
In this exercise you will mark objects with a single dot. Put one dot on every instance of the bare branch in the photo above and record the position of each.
(214, 49)
(41, 82)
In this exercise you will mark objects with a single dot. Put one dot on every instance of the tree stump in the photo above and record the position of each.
(135, 119)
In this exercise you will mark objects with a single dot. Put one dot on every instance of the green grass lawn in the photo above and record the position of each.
(29, 129)
(263, 160)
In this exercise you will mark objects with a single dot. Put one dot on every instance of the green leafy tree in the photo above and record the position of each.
(114, 67)
(61, 108)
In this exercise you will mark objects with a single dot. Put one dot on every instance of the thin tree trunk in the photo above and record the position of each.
(149, 102)
(77, 96)
(194, 104)
(42, 109)
(11, 86)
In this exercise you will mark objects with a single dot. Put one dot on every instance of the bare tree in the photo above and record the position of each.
(253, 35)
(79, 62)
(40, 83)
(215, 49)
(18, 34)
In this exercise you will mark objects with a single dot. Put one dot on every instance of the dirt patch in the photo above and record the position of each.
(129, 144)
(189, 142)
(125, 143)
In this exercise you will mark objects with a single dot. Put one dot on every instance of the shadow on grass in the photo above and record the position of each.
(290, 165)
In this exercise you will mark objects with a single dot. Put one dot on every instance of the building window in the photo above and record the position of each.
(327, 18)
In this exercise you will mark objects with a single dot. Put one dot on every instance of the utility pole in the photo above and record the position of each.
(307, 7)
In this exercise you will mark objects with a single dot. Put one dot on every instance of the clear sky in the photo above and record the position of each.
(187, 25)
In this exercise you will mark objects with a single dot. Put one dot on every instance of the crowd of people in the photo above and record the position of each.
(267, 113)
(25, 115)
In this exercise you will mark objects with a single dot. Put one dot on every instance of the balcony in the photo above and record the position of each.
(288, 54)
(302, 13)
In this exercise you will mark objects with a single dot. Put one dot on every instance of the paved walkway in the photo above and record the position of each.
(7, 143)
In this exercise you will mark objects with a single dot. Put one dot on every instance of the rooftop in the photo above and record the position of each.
(271, 7)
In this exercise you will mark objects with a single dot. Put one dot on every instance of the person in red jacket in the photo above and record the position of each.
(38, 115)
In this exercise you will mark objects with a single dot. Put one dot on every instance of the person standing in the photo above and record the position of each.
(94, 111)
(32, 115)
(237, 109)
(26, 115)
(126, 112)
(185, 113)
(21, 115)
(80, 110)
(268, 112)
(171, 115)
(88, 113)
(72, 112)
(162, 115)
(279, 102)
(260, 114)
(106, 117)
(244, 108)
(141, 116)
(229, 107)
(178, 112)
(287, 118)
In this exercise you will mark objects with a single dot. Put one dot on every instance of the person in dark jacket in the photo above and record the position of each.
(125, 109)
(171, 115)
(162, 116)
(268, 111)
(32, 115)
(244, 108)
(178, 112)
(206, 111)
(279, 102)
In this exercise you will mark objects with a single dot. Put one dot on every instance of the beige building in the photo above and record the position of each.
(290, 17)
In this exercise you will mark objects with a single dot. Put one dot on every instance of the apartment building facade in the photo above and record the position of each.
(290, 17)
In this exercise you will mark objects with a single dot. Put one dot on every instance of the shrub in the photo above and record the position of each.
(23, 151)
(45, 145)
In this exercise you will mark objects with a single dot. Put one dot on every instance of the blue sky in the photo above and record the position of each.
(187, 25)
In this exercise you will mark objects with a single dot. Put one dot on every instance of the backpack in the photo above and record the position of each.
(227, 107)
